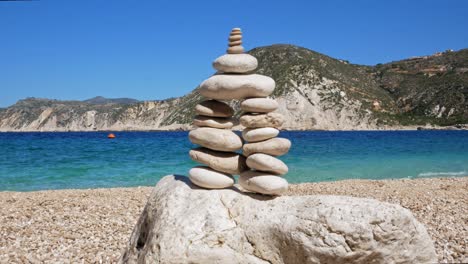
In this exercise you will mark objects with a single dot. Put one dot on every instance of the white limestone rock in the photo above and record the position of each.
(208, 178)
(227, 162)
(263, 182)
(274, 147)
(235, 86)
(214, 108)
(235, 63)
(267, 163)
(216, 139)
(259, 105)
(259, 134)
(182, 223)
(262, 120)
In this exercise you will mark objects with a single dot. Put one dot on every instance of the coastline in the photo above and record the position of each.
(93, 225)
(187, 129)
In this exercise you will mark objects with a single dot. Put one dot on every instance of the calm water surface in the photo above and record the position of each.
(38, 161)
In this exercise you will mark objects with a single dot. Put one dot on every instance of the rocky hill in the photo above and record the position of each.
(103, 100)
(314, 92)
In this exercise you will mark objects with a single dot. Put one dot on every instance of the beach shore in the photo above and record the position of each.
(94, 225)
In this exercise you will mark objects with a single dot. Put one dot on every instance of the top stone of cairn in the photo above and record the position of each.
(235, 42)
(235, 61)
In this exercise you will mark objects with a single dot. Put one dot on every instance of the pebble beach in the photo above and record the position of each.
(94, 225)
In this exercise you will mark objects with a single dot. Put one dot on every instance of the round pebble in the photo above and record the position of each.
(235, 38)
(274, 147)
(214, 122)
(216, 139)
(262, 120)
(262, 182)
(214, 108)
(227, 162)
(235, 50)
(235, 63)
(267, 163)
(208, 178)
(259, 134)
(259, 105)
(235, 86)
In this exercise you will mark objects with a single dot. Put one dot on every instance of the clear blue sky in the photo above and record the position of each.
(160, 49)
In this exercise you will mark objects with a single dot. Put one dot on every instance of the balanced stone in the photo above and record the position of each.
(262, 120)
(234, 86)
(235, 43)
(215, 122)
(214, 108)
(208, 178)
(216, 139)
(262, 182)
(267, 163)
(236, 37)
(235, 50)
(259, 105)
(235, 63)
(227, 162)
(259, 134)
(274, 147)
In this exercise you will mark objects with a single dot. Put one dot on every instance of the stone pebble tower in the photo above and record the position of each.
(259, 169)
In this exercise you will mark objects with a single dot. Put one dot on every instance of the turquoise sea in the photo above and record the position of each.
(39, 161)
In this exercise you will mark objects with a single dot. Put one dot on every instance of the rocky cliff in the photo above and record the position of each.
(314, 92)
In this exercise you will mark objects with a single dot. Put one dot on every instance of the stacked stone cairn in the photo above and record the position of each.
(260, 171)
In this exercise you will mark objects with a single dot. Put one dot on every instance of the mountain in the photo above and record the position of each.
(314, 91)
(102, 100)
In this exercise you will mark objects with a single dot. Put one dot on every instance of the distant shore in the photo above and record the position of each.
(462, 127)
(94, 225)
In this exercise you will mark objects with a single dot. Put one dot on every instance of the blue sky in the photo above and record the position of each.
(159, 49)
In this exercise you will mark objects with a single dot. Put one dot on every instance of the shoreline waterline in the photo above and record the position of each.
(342, 181)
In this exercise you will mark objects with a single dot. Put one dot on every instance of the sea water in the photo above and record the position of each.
(40, 161)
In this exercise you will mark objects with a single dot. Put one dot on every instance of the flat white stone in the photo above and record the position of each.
(215, 122)
(227, 162)
(274, 147)
(216, 139)
(214, 108)
(235, 63)
(259, 105)
(235, 86)
(262, 120)
(259, 134)
(266, 163)
(208, 178)
(263, 182)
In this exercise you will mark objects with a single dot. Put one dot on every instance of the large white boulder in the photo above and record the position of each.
(182, 223)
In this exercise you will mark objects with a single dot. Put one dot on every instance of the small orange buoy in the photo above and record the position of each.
(111, 135)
